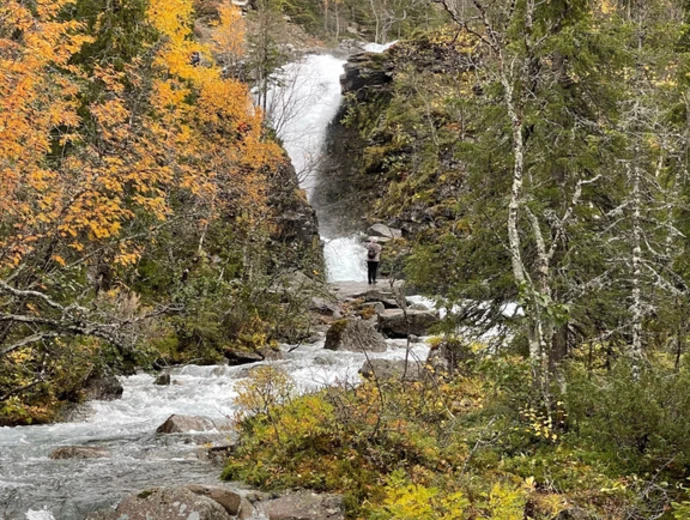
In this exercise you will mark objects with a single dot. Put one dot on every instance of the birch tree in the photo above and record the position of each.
(515, 40)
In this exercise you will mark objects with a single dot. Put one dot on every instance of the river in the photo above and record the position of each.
(35, 487)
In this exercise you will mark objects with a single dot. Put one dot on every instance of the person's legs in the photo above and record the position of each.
(371, 272)
(375, 269)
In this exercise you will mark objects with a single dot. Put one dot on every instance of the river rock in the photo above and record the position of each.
(378, 307)
(185, 424)
(167, 503)
(162, 380)
(103, 388)
(241, 357)
(271, 354)
(79, 452)
(387, 369)
(449, 356)
(229, 499)
(396, 323)
(354, 335)
(382, 230)
(247, 510)
(385, 292)
(325, 306)
(418, 307)
(304, 505)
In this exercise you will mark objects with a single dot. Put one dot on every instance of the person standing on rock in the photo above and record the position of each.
(373, 259)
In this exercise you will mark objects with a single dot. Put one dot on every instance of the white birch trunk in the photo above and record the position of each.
(637, 304)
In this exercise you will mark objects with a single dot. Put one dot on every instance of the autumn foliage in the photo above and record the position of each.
(100, 155)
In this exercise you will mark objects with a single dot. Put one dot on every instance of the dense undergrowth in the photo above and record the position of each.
(476, 445)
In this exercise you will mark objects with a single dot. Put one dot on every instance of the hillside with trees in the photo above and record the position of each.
(523, 163)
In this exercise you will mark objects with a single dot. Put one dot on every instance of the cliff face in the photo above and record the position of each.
(296, 229)
(390, 151)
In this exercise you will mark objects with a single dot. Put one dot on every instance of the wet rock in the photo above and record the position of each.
(354, 335)
(185, 424)
(79, 452)
(382, 230)
(162, 380)
(418, 307)
(241, 357)
(384, 292)
(387, 369)
(304, 505)
(270, 354)
(322, 361)
(103, 388)
(247, 510)
(165, 504)
(218, 454)
(377, 307)
(229, 499)
(396, 323)
(219, 371)
(364, 73)
(325, 306)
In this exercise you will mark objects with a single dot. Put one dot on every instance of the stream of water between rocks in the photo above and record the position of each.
(35, 487)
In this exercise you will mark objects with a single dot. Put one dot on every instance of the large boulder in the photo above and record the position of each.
(396, 323)
(354, 335)
(79, 452)
(384, 231)
(166, 503)
(103, 388)
(326, 306)
(229, 499)
(388, 369)
(391, 295)
(304, 505)
(185, 424)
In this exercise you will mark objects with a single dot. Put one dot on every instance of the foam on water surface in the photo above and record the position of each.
(34, 487)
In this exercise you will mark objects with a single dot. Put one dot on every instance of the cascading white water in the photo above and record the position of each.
(300, 107)
(345, 259)
(34, 487)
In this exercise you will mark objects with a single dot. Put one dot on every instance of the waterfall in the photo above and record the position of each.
(301, 106)
(35, 487)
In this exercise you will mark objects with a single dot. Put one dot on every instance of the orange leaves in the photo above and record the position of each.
(86, 152)
(229, 36)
